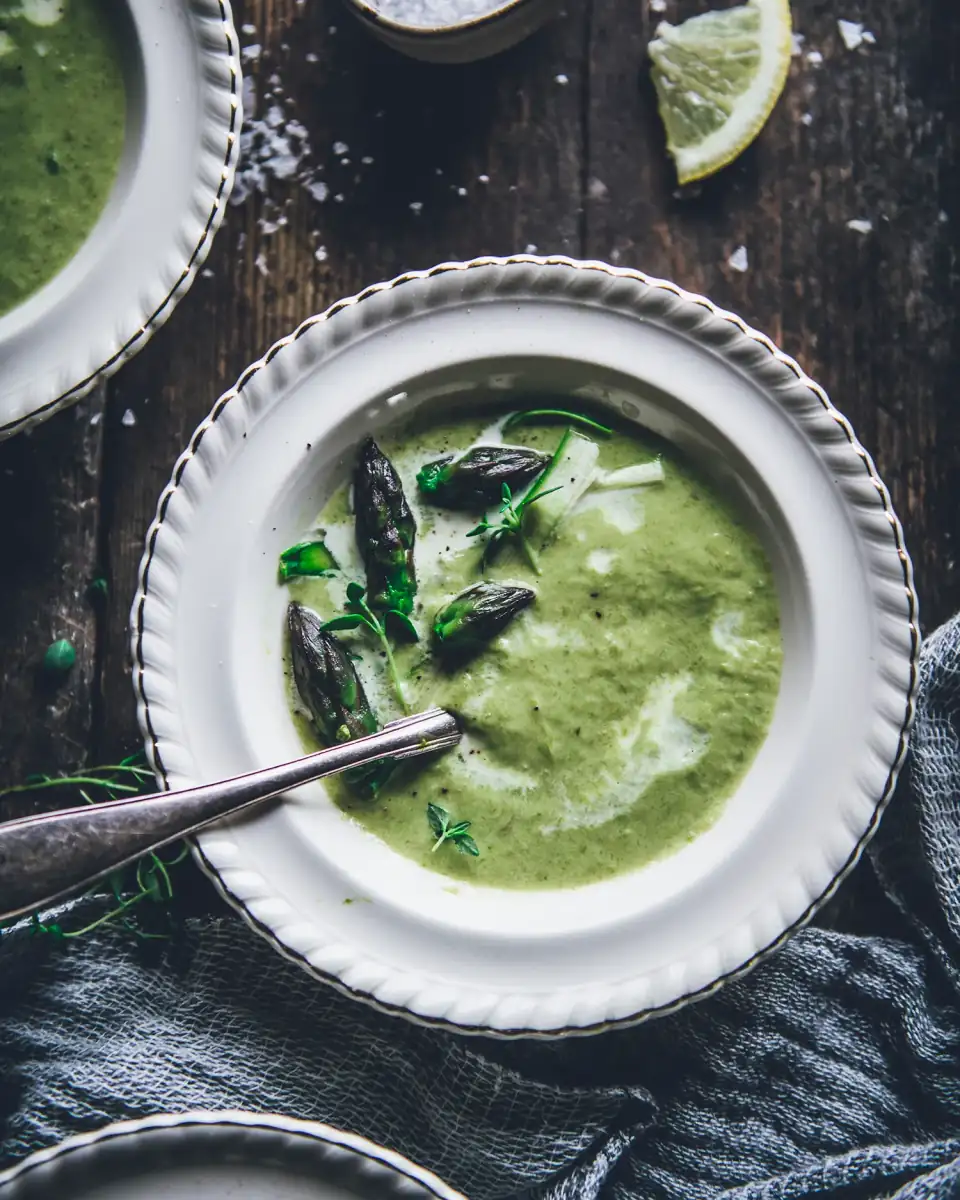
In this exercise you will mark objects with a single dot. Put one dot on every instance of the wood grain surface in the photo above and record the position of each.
(555, 145)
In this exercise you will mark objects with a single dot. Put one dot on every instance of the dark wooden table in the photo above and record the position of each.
(558, 146)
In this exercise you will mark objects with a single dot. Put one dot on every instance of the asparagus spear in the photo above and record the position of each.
(307, 558)
(472, 618)
(386, 531)
(331, 689)
(474, 480)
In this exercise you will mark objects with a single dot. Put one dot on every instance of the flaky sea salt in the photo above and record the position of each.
(260, 262)
(340, 148)
(318, 190)
(858, 225)
(563, 80)
(311, 57)
(806, 119)
(249, 96)
(483, 178)
(739, 260)
(434, 13)
(797, 44)
(530, 248)
(658, 6)
(320, 254)
(248, 30)
(854, 34)
(814, 58)
(461, 191)
(416, 207)
(128, 419)
(206, 273)
(251, 53)
(597, 189)
(367, 160)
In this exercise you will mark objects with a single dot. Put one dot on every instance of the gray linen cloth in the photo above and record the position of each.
(832, 1070)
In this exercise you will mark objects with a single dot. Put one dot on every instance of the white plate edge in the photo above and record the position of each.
(394, 1165)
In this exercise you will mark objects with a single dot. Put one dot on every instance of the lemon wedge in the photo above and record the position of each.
(718, 77)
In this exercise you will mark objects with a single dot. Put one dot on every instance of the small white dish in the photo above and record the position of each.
(207, 641)
(182, 74)
(491, 27)
(215, 1155)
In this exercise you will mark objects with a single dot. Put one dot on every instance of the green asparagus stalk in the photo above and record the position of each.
(330, 688)
(475, 616)
(307, 558)
(474, 480)
(386, 531)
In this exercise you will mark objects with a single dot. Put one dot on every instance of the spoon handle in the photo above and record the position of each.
(44, 859)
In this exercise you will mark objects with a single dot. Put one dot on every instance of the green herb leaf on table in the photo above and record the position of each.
(149, 879)
(307, 559)
(59, 657)
(444, 829)
(511, 524)
(550, 416)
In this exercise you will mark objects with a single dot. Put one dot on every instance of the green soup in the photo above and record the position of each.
(62, 115)
(610, 722)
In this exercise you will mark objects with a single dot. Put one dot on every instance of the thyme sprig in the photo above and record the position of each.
(149, 879)
(511, 524)
(445, 829)
(359, 614)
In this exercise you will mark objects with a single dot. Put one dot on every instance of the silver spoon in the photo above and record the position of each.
(44, 859)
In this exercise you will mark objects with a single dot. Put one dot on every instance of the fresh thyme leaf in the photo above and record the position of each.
(466, 845)
(359, 613)
(549, 416)
(347, 621)
(511, 523)
(444, 830)
(402, 621)
(438, 818)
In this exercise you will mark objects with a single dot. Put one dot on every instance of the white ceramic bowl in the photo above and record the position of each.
(213, 1155)
(207, 624)
(182, 73)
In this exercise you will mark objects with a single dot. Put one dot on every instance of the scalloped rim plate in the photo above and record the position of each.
(206, 630)
(176, 170)
(186, 1156)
